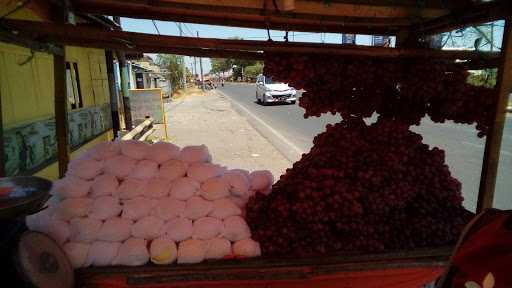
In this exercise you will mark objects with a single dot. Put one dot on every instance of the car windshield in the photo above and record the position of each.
(269, 80)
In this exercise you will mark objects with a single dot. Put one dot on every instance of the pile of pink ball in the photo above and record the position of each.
(130, 202)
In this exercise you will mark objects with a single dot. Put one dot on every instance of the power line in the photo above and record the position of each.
(179, 28)
(188, 29)
(156, 27)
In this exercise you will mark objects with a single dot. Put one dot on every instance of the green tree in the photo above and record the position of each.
(220, 65)
(251, 72)
(174, 64)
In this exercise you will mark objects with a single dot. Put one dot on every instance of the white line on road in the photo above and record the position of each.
(296, 151)
(472, 144)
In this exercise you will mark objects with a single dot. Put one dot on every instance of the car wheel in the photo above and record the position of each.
(258, 98)
(264, 101)
(292, 102)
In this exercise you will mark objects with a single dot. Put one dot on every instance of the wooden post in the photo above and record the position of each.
(2, 151)
(493, 142)
(60, 98)
(61, 107)
(123, 74)
(114, 103)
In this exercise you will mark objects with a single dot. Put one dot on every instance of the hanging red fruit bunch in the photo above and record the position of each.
(369, 188)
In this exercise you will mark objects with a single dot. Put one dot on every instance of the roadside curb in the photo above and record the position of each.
(283, 145)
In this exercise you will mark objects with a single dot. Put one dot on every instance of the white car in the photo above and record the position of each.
(268, 91)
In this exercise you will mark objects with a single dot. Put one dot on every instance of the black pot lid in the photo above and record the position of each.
(22, 195)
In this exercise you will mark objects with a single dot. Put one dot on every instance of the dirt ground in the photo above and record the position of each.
(198, 118)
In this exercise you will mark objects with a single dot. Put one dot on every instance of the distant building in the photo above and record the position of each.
(145, 74)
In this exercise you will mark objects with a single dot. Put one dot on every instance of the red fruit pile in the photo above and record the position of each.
(360, 188)
(405, 89)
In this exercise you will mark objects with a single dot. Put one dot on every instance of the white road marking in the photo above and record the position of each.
(473, 144)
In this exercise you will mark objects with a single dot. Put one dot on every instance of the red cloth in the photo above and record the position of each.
(378, 278)
(486, 250)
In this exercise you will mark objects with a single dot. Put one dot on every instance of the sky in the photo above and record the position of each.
(223, 32)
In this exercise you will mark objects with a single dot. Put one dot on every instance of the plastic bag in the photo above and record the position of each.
(193, 154)
(73, 207)
(71, 187)
(203, 171)
(163, 251)
(196, 207)
(157, 188)
(119, 166)
(149, 227)
(215, 188)
(178, 229)
(169, 208)
(137, 208)
(131, 188)
(144, 170)
(105, 207)
(207, 228)
(104, 185)
(105, 150)
(173, 169)
(84, 229)
(184, 188)
(218, 248)
(192, 251)
(115, 229)
(223, 208)
(58, 230)
(238, 183)
(77, 253)
(102, 253)
(134, 149)
(161, 152)
(235, 228)
(133, 252)
(85, 168)
(246, 248)
(261, 180)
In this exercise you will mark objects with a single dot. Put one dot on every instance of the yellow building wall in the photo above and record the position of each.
(51, 172)
(27, 86)
(26, 81)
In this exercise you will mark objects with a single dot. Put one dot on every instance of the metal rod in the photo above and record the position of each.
(493, 142)
(125, 83)
(184, 69)
(61, 107)
(114, 102)
(201, 66)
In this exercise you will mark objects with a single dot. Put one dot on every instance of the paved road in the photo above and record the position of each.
(463, 149)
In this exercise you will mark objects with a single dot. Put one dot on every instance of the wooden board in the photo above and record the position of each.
(147, 103)
(271, 272)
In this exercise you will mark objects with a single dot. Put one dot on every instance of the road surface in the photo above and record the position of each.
(286, 128)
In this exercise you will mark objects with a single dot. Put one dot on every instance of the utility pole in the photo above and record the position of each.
(195, 67)
(183, 64)
(201, 66)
